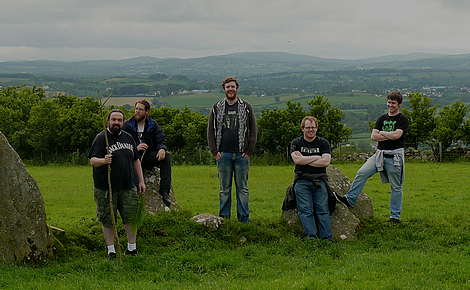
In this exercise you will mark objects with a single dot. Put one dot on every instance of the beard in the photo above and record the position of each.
(139, 118)
(116, 129)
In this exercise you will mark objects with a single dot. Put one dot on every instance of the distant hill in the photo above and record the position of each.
(239, 64)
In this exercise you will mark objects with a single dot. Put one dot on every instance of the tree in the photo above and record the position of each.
(450, 124)
(158, 77)
(329, 118)
(184, 130)
(15, 107)
(277, 128)
(421, 118)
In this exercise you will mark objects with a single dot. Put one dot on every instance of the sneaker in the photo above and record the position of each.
(166, 198)
(342, 199)
(394, 221)
(131, 253)
(112, 256)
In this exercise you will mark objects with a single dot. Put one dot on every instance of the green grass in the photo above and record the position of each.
(429, 250)
(207, 100)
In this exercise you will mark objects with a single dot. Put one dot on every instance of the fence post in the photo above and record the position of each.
(440, 151)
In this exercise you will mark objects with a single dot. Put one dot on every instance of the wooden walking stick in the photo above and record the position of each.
(109, 177)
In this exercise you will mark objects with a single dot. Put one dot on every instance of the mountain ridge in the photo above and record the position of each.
(242, 64)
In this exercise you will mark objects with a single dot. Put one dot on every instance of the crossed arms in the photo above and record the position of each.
(384, 136)
(315, 161)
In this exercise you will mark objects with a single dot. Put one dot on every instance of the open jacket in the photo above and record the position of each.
(153, 135)
(247, 129)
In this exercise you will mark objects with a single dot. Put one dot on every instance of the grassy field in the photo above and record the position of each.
(430, 249)
(207, 100)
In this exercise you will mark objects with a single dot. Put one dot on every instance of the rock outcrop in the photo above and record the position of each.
(345, 222)
(153, 199)
(24, 234)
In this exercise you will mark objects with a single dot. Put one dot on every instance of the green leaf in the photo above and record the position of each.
(135, 220)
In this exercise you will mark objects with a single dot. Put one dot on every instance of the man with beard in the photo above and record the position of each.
(151, 144)
(231, 134)
(124, 161)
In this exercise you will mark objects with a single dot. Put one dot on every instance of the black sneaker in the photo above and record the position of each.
(342, 199)
(166, 198)
(131, 253)
(112, 256)
(394, 221)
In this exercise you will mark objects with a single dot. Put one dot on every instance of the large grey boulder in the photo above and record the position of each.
(24, 234)
(153, 199)
(345, 222)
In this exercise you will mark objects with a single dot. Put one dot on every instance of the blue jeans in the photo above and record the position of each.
(394, 173)
(234, 165)
(309, 197)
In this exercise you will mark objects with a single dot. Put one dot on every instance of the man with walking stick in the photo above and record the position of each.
(123, 159)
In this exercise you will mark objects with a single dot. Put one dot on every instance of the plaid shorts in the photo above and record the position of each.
(124, 200)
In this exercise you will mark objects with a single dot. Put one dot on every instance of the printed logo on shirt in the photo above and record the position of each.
(231, 120)
(389, 126)
(310, 150)
(120, 146)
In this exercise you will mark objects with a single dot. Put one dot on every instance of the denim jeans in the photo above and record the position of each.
(394, 175)
(309, 197)
(234, 165)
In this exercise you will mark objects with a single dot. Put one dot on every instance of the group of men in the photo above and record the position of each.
(139, 143)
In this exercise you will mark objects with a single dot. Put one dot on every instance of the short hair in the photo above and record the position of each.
(311, 119)
(143, 102)
(115, 111)
(395, 96)
(228, 80)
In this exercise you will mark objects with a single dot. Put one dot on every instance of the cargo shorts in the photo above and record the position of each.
(124, 200)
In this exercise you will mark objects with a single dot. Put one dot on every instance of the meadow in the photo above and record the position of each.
(206, 100)
(430, 249)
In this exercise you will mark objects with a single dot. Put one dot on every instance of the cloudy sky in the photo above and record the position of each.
(72, 30)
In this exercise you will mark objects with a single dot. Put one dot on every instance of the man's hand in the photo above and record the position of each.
(246, 155)
(142, 147)
(108, 159)
(161, 154)
(142, 188)
(217, 156)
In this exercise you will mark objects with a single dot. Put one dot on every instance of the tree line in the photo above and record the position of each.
(63, 127)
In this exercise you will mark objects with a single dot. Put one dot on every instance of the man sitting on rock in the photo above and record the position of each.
(312, 155)
(151, 145)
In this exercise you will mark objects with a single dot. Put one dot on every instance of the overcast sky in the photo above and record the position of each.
(72, 30)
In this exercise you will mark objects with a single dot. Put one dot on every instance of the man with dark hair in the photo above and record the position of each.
(124, 161)
(231, 134)
(312, 155)
(389, 159)
(152, 146)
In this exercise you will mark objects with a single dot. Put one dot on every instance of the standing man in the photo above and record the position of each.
(231, 134)
(312, 155)
(124, 161)
(151, 144)
(389, 159)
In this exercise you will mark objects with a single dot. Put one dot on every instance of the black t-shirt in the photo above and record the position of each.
(318, 146)
(124, 153)
(389, 124)
(229, 141)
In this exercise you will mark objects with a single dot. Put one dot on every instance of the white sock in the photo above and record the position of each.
(111, 249)
(131, 247)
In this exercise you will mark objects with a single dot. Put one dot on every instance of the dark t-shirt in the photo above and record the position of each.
(124, 153)
(389, 124)
(229, 141)
(318, 146)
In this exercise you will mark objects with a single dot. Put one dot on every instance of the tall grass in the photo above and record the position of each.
(429, 250)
